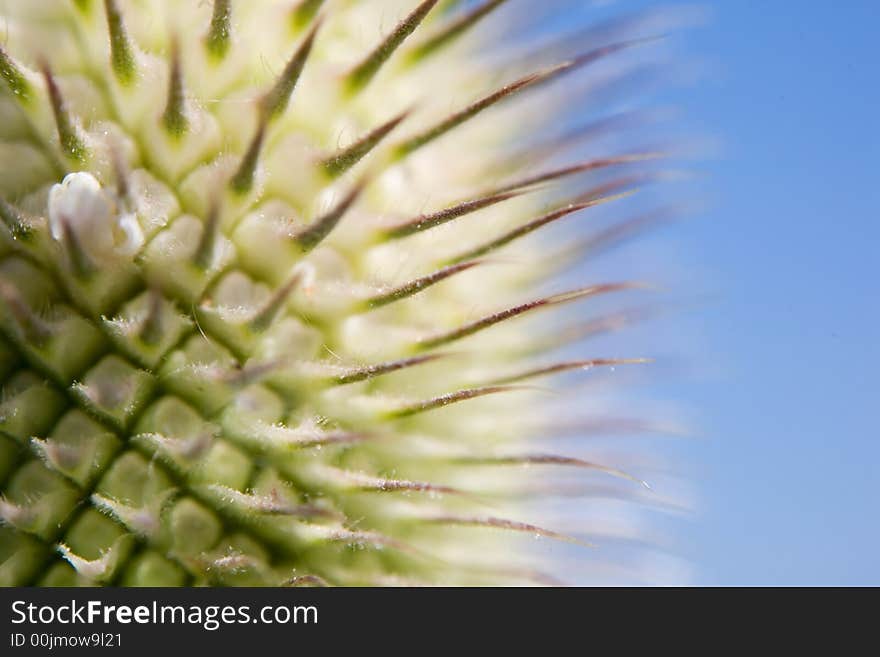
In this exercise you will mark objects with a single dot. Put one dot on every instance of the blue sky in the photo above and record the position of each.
(771, 347)
(787, 249)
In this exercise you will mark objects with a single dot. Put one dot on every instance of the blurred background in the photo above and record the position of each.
(790, 245)
(776, 272)
(764, 456)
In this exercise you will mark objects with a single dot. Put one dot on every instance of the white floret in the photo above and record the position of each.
(102, 231)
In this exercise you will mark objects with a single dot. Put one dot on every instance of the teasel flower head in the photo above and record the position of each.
(278, 294)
